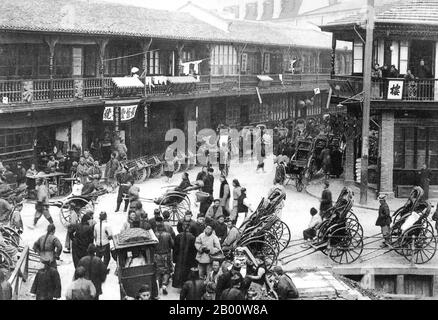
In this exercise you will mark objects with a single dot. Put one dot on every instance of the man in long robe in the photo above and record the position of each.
(184, 257)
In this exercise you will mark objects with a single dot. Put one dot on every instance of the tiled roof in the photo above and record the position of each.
(423, 12)
(98, 18)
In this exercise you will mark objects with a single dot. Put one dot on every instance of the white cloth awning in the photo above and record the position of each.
(265, 78)
(128, 82)
(188, 79)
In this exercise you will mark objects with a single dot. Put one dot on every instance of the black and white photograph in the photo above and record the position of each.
(241, 152)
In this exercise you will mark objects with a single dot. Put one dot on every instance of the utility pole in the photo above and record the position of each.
(367, 101)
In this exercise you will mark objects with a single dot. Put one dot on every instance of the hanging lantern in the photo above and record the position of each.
(301, 104)
(308, 103)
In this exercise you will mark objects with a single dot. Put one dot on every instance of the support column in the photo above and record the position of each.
(387, 155)
(51, 42)
(349, 161)
(145, 45)
(102, 43)
(333, 55)
(179, 48)
(400, 284)
(436, 72)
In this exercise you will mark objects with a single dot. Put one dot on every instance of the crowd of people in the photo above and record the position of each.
(192, 259)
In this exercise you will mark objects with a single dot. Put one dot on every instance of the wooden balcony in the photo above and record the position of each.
(387, 89)
(17, 94)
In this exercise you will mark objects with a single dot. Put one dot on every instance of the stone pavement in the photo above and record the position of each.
(315, 188)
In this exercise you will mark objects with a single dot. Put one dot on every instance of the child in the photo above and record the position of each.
(314, 224)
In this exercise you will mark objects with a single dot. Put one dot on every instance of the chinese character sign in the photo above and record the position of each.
(127, 113)
(395, 90)
(108, 114)
(119, 113)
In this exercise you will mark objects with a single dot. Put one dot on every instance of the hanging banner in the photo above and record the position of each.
(395, 89)
(108, 114)
(123, 114)
(127, 113)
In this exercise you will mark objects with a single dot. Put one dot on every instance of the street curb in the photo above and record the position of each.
(354, 206)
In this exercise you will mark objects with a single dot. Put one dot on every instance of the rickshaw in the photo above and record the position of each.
(298, 167)
(134, 251)
(340, 236)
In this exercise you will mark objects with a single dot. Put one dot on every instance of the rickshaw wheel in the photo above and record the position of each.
(282, 233)
(346, 245)
(264, 251)
(419, 244)
(177, 207)
(12, 235)
(64, 214)
(5, 261)
(140, 175)
(147, 173)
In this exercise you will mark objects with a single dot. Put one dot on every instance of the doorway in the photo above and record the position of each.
(420, 49)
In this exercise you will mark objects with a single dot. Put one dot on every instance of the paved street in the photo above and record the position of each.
(295, 214)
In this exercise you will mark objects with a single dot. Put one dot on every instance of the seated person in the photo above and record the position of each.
(415, 216)
(256, 274)
(89, 188)
(135, 259)
(52, 165)
(185, 183)
(77, 188)
(314, 224)
(284, 285)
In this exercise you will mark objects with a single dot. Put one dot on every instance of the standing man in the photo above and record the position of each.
(82, 170)
(215, 210)
(47, 283)
(184, 256)
(82, 236)
(163, 255)
(206, 244)
(42, 204)
(81, 288)
(111, 168)
(384, 220)
(425, 174)
(232, 235)
(48, 246)
(208, 188)
(225, 195)
(126, 181)
(194, 288)
(102, 237)
(73, 220)
(95, 269)
(326, 199)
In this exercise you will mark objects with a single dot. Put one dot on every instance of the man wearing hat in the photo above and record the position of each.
(220, 228)
(384, 220)
(284, 286)
(208, 188)
(326, 199)
(186, 222)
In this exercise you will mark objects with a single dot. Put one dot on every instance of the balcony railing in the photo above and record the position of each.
(408, 90)
(39, 91)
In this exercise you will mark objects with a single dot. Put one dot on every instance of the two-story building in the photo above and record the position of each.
(65, 74)
(404, 100)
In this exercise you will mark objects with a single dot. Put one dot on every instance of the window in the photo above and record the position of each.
(358, 57)
(90, 61)
(224, 60)
(244, 63)
(15, 140)
(267, 63)
(63, 61)
(414, 146)
(404, 56)
(153, 61)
